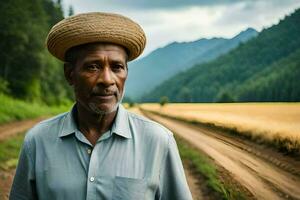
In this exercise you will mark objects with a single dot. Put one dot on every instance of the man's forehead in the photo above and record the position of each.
(92, 47)
(94, 50)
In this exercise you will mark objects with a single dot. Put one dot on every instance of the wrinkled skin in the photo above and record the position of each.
(98, 78)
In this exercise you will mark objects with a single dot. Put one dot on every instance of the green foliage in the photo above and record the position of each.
(54, 11)
(34, 89)
(225, 97)
(129, 101)
(3, 86)
(23, 27)
(71, 11)
(54, 87)
(264, 68)
(10, 149)
(279, 81)
(26, 66)
(14, 110)
(184, 95)
(163, 100)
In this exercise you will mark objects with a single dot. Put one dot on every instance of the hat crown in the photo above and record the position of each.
(96, 27)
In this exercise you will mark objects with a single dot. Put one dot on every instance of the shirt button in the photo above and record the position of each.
(89, 151)
(92, 179)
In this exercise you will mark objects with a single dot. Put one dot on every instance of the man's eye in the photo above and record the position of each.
(117, 67)
(93, 67)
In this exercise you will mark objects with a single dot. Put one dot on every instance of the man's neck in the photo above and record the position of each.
(93, 125)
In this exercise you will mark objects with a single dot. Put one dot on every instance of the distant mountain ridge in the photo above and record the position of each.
(265, 68)
(163, 63)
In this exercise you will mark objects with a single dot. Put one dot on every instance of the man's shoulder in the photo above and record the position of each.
(53, 120)
(43, 128)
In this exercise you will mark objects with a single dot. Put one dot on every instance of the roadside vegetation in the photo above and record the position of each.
(14, 110)
(274, 124)
(203, 166)
(10, 149)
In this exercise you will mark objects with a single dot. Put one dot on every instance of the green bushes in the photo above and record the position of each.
(13, 110)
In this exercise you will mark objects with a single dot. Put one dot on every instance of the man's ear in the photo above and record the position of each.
(69, 71)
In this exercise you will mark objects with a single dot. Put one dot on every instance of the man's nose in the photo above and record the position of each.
(106, 76)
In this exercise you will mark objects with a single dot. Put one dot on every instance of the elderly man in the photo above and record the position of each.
(98, 150)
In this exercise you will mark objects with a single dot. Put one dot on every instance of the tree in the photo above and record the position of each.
(23, 29)
(163, 101)
(225, 97)
(26, 66)
(71, 11)
(184, 95)
(3, 86)
(129, 101)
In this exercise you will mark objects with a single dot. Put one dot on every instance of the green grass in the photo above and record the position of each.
(204, 167)
(10, 149)
(14, 110)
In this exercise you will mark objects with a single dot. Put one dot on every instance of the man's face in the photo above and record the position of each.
(98, 77)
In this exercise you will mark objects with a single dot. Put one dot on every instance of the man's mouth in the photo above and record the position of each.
(104, 96)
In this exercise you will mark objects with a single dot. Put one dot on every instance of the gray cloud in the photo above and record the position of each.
(258, 14)
(167, 4)
(165, 21)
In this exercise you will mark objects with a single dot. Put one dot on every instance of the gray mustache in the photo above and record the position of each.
(104, 92)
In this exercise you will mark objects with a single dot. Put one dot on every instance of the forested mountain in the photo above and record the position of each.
(266, 68)
(27, 70)
(163, 63)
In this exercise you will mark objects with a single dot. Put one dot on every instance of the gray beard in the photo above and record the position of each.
(94, 108)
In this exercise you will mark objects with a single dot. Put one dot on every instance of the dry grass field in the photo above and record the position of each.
(275, 123)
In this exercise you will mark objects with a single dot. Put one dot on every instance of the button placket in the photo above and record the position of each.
(89, 151)
(92, 172)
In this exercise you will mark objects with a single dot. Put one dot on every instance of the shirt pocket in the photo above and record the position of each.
(129, 188)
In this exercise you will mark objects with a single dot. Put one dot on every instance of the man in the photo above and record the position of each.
(98, 150)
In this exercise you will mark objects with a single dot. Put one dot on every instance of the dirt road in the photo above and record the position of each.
(12, 128)
(263, 179)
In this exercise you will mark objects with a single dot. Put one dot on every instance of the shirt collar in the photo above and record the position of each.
(69, 125)
(121, 123)
(119, 127)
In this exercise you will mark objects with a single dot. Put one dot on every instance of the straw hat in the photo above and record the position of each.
(96, 27)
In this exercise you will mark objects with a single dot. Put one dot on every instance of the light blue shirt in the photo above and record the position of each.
(138, 159)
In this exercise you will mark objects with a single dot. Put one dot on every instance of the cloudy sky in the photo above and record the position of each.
(165, 21)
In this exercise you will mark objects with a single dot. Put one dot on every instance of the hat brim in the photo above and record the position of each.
(96, 27)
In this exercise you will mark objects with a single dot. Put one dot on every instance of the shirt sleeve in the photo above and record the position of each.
(23, 187)
(173, 184)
